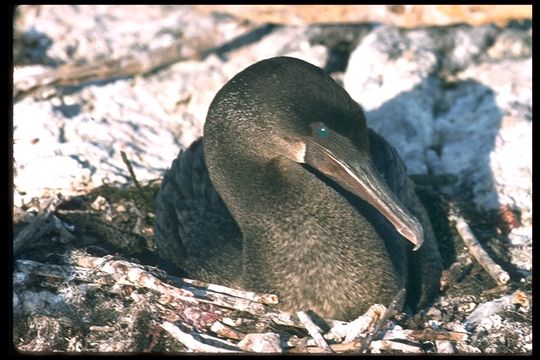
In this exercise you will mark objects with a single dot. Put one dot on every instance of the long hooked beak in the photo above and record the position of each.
(363, 180)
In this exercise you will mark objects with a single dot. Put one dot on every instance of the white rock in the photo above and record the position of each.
(263, 343)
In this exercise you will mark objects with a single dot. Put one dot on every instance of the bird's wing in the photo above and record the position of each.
(194, 229)
(425, 265)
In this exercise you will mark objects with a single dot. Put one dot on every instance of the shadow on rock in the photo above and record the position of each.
(443, 128)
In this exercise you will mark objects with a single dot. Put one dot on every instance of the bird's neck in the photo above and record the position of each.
(254, 189)
(281, 207)
(300, 235)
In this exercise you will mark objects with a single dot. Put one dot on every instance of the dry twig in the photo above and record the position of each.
(190, 342)
(248, 295)
(425, 335)
(132, 174)
(314, 331)
(38, 226)
(396, 302)
(352, 330)
(226, 331)
(475, 248)
(73, 74)
(284, 318)
(132, 274)
(109, 272)
(385, 344)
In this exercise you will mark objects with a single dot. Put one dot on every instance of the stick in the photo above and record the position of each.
(108, 272)
(425, 335)
(395, 345)
(190, 342)
(494, 270)
(133, 274)
(248, 295)
(284, 318)
(226, 331)
(349, 331)
(397, 301)
(354, 345)
(72, 74)
(132, 174)
(37, 226)
(388, 343)
(214, 340)
(299, 347)
(314, 331)
(63, 228)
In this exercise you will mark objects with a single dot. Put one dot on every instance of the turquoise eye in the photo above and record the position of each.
(323, 132)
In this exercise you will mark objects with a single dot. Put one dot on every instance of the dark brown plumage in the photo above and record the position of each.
(292, 194)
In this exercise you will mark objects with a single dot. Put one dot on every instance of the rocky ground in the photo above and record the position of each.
(94, 82)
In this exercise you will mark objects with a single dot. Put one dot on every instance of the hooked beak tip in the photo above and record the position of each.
(414, 234)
